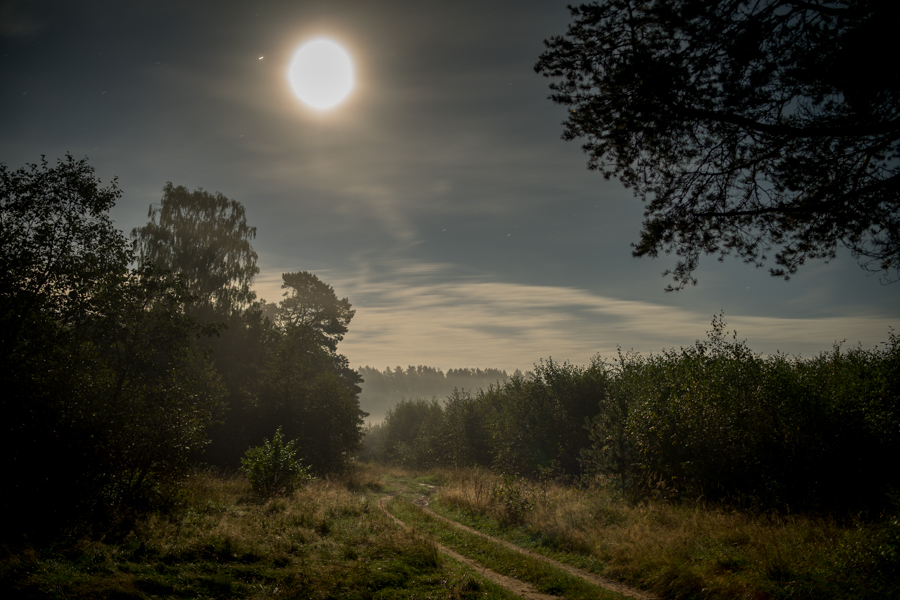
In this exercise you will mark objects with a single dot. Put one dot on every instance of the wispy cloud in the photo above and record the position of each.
(411, 317)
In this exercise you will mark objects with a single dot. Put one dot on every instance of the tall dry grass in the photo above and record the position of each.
(692, 550)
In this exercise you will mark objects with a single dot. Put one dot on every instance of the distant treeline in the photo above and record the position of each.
(383, 389)
(713, 421)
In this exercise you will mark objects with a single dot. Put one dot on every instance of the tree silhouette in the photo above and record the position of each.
(105, 394)
(747, 127)
(204, 238)
(312, 303)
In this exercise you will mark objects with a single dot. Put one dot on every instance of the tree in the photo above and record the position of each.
(205, 238)
(746, 126)
(105, 394)
(57, 245)
(310, 302)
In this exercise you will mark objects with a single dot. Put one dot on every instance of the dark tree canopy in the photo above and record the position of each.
(204, 238)
(747, 126)
(312, 303)
(105, 393)
(58, 243)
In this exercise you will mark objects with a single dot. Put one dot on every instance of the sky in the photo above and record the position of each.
(438, 197)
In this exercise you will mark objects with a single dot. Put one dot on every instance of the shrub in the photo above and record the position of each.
(273, 468)
(514, 497)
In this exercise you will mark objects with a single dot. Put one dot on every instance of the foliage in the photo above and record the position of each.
(538, 423)
(523, 426)
(611, 450)
(280, 370)
(149, 394)
(712, 421)
(746, 127)
(99, 364)
(59, 246)
(284, 377)
(204, 238)
(273, 468)
(412, 434)
(312, 393)
(515, 497)
(717, 421)
(383, 389)
(312, 303)
(466, 424)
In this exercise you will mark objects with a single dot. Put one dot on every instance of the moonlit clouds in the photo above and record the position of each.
(409, 318)
(438, 197)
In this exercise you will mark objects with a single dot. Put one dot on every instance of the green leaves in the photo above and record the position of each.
(717, 421)
(273, 468)
(514, 497)
(205, 239)
(713, 420)
(310, 302)
(59, 246)
(100, 367)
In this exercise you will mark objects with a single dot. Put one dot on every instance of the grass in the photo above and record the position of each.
(545, 577)
(687, 551)
(328, 540)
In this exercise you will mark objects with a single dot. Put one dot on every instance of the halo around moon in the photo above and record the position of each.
(321, 73)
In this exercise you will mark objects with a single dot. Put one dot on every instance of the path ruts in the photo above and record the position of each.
(608, 584)
(520, 588)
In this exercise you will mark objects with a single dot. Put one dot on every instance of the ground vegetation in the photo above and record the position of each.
(714, 421)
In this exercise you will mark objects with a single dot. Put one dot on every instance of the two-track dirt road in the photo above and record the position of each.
(518, 587)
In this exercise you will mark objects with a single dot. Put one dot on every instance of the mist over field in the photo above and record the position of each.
(383, 389)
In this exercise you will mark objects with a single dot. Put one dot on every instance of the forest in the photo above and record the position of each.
(128, 361)
(166, 433)
(381, 390)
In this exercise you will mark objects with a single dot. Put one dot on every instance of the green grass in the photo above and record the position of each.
(545, 577)
(324, 541)
(330, 540)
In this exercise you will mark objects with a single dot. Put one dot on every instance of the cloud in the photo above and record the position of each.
(409, 317)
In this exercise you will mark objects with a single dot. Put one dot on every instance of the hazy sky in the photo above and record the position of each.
(438, 197)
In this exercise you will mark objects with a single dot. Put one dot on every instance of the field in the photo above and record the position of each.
(332, 540)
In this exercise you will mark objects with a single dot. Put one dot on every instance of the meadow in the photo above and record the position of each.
(329, 539)
(679, 550)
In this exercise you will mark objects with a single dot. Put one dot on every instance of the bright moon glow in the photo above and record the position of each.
(321, 73)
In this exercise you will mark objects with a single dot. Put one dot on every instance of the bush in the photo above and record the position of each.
(514, 497)
(718, 421)
(273, 468)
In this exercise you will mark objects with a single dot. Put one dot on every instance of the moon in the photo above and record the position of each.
(321, 73)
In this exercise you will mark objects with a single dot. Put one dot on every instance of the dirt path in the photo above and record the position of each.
(519, 588)
(585, 575)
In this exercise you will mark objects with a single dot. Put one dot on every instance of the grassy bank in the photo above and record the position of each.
(681, 551)
(328, 540)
